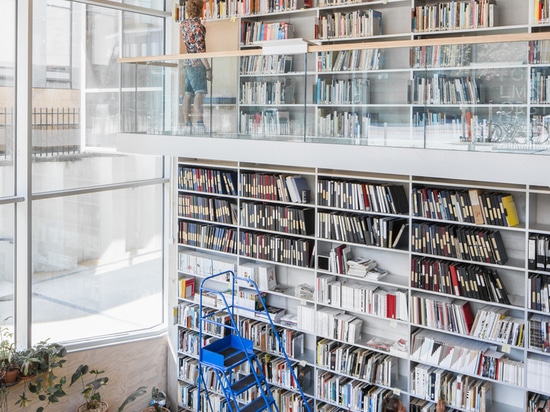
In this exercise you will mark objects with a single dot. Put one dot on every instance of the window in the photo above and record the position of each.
(97, 219)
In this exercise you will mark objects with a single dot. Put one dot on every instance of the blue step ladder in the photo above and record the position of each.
(232, 353)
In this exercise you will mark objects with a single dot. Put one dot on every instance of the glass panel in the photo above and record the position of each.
(97, 267)
(7, 86)
(488, 96)
(153, 4)
(69, 140)
(7, 218)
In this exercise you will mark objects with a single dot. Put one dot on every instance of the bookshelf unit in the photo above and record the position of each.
(393, 92)
(313, 292)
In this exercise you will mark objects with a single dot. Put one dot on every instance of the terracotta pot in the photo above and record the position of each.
(152, 409)
(11, 376)
(103, 408)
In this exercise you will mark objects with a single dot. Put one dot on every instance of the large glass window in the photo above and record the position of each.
(96, 215)
(7, 215)
(7, 82)
(97, 255)
(97, 264)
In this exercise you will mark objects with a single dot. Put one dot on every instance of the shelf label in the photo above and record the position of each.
(506, 348)
(393, 323)
(397, 391)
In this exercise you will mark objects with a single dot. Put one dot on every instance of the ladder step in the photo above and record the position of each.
(258, 404)
(244, 384)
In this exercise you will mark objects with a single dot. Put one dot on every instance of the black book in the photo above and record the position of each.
(499, 250)
(532, 252)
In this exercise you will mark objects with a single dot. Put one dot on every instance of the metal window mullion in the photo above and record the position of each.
(23, 175)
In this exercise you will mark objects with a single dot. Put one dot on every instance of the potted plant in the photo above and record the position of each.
(9, 370)
(91, 389)
(158, 401)
(38, 365)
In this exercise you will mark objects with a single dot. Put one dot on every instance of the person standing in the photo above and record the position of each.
(197, 71)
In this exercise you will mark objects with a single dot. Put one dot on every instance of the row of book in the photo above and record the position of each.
(440, 312)
(278, 372)
(454, 15)
(357, 23)
(494, 324)
(204, 264)
(291, 220)
(539, 372)
(362, 298)
(267, 122)
(538, 403)
(459, 242)
(290, 401)
(441, 89)
(335, 123)
(276, 248)
(364, 196)
(270, 64)
(222, 9)
(341, 91)
(540, 86)
(351, 394)
(459, 279)
(187, 396)
(207, 180)
(207, 208)
(542, 11)
(258, 31)
(267, 92)
(190, 344)
(263, 338)
(465, 205)
(445, 55)
(188, 369)
(285, 188)
(329, 322)
(539, 50)
(206, 236)
(360, 363)
(465, 356)
(539, 333)
(348, 60)
(458, 390)
(385, 232)
(538, 252)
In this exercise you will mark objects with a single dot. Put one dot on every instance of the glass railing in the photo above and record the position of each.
(480, 94)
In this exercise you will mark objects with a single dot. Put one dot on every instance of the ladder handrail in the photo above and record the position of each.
(231, 311)
(263, 386)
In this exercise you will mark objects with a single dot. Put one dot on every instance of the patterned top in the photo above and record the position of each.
(194, 37)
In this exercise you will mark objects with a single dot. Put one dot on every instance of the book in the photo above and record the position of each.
(479, 216)
(265, 276)
(187, 287)
(510, 210)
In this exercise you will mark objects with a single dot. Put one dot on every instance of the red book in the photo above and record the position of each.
(468, 316)
(390, 306)
(454, 280)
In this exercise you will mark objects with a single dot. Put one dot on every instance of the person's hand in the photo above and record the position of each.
(440, 406)
(209, 74)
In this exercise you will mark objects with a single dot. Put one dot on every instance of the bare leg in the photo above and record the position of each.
(186, 109)
(197, 106)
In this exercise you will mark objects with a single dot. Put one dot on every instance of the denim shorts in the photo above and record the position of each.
(195, 79)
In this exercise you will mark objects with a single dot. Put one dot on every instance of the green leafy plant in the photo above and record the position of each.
(8, 352)
(40, 361)
(91, 388)
(132, 397)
